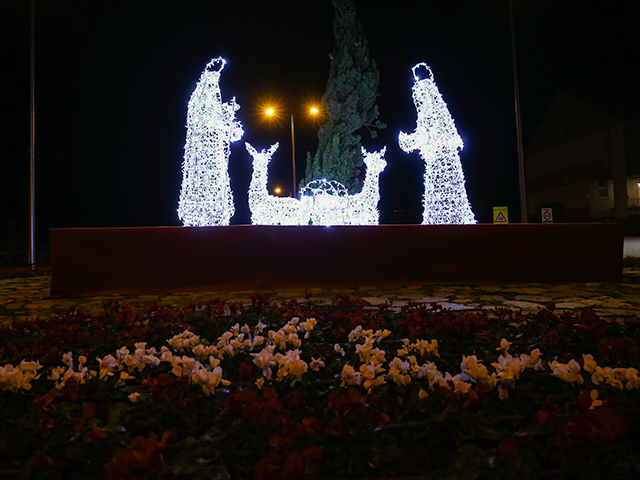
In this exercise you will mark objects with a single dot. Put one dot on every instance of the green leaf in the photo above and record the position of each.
(117, 413)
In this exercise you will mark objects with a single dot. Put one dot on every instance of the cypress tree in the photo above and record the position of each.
(348, 103)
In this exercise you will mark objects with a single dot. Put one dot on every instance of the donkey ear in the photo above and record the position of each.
(250, 149)
(273, 148)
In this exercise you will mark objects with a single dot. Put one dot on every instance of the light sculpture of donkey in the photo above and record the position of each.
(268, 209)
(328, 202)
(363, 206)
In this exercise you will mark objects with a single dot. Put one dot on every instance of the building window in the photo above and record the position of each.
(603, 189)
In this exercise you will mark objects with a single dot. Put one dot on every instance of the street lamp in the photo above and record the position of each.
(516, 94)
(32, 182)
(312, 111)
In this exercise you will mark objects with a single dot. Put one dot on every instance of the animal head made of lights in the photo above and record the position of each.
(437, 140)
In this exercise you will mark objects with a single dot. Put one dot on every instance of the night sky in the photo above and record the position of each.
(113, 79)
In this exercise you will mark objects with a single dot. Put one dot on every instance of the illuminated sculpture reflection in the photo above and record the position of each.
(437, 140)
(205, 197)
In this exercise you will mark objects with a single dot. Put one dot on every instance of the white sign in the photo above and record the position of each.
(547, 215)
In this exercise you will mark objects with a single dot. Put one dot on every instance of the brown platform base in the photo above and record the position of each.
(95, 261)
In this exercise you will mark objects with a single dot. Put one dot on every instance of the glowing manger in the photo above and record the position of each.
(321, 202)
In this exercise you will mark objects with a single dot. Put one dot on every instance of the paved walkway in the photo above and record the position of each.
(24, 298)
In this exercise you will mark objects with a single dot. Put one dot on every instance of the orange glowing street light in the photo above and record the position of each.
(312, 111)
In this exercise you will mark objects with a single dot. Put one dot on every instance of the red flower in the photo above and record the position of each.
(291, 466)
(94, 434)
(167, 385)
(259, 299)
(44, 426)
(246, 369)
(142, 458)
(511, 448)
(40, 460)
(88, 410)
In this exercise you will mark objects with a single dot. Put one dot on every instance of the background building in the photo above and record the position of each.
(584, 162)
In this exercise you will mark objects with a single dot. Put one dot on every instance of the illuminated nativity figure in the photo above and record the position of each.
(321, 202)
(363, 206)
(437, 140)
(268, 209)
(329, 203)
(205, 197)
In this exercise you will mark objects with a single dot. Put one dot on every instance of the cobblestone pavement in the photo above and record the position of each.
(24, 298)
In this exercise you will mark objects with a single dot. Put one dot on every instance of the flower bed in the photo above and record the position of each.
(24, 272)
(306, 390)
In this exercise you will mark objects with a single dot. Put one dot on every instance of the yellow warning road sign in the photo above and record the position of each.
(500, 214)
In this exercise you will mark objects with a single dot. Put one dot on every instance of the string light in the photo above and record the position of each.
(321, 202)
(437, 140)
(206, 197)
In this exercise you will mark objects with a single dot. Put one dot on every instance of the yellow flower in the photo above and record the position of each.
(134, 397)
(316, 364)
(350, 376)
(504, 345)
(124, 376)
(503, 392)
(473, 369)
(589, 363)
(107, 365)
(594, 399)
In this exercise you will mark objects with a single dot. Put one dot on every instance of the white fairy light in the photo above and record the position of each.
(205, 197)
(330, 204)
(363, 206)
(326, 201)
(437, 140)
(268, 209)
(321, 202)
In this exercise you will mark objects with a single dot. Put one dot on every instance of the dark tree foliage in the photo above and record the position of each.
(348, 103)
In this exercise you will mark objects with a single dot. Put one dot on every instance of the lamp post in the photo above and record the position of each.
(312, 111)
(32, 183)
(516, 94)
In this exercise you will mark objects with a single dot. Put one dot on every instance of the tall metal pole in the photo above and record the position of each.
(32, 183)
(516, 93)
(293, 157)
